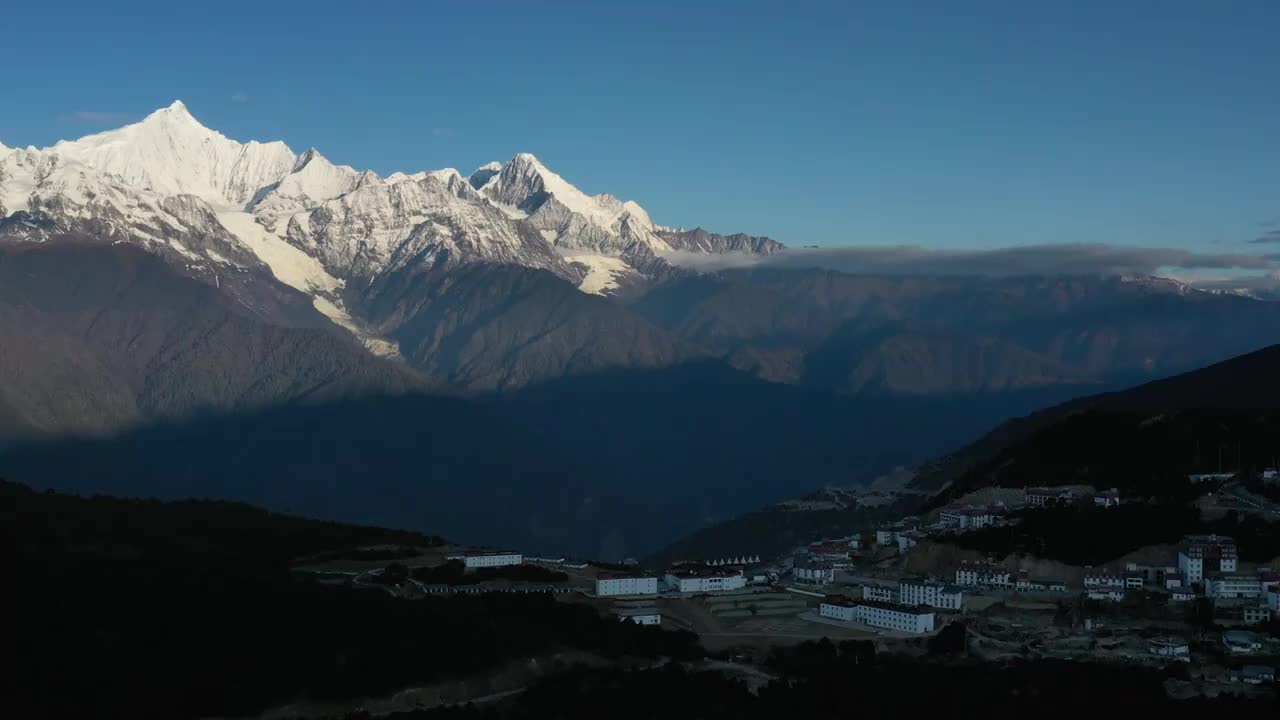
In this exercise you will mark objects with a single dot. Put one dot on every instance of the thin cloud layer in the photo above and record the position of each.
(1073, 259)
(1270, 236)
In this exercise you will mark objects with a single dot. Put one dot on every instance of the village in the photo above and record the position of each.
(900, 584)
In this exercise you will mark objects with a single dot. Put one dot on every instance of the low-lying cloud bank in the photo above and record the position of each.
(1074, 259)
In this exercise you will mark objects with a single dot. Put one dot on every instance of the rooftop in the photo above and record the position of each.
(1049, 491)
(896, 607)
(623, 576)
(633, 612)
(704, 572)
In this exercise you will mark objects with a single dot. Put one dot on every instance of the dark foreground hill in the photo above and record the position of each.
(1223, 416)
(119, 608)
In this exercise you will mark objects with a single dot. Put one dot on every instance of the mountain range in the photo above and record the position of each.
(186, 314)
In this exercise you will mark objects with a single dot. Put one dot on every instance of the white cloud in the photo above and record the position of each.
(1069, 259)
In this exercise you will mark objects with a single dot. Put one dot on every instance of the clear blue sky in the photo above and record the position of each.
(946, 124)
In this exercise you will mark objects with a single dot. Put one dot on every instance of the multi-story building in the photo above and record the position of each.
(1134, 581)
(968, 518)
(1201, 555)
(1040, 497)
(837, 609)
(1273, 599)
(1232, 585)
(1255, 614)
(1028, 584)
(888, 535)
(474, 559)
(894, 616)
(931, 594)
(1094, 579)
(809, 571)
(612, 584)
(696, 580)
(1107, 498)
(908, 539)
(887, 615)
(882, 593)
(983, 575)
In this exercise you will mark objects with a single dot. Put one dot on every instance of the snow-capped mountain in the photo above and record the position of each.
(170, 153)
(218, 208)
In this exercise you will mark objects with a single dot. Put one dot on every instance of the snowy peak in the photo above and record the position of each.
(524, 184)
(314, 180)
(484, 174)
(171, 153)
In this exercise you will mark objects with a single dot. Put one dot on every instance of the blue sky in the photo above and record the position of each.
(943, 124)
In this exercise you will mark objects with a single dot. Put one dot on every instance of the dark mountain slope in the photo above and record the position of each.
(712, 444)
(1172, 426)
(898, 360)
(487, 327)
(856, 333)
(96, 337)
(411, 461)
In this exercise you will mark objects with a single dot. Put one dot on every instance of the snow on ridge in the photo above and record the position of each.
(603, 272)
(171, 153)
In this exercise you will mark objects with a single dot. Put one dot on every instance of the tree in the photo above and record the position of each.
(951, 640)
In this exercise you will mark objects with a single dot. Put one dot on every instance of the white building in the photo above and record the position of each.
(932, 594)
(1107, 498)
(1174, 647)
(1181, 594)
(1105, 594)
(814, 572)
(610, 584)
(983, 575)
(1103, 579)
(967, 518)
(1232, 585)
(887, 536)
(689, 580)
(1025, 584)
(1200, 555)
(1040, 497)
(882, 593)
(893, 616)
(1273, 599)
(1255, 614)
(908, 540)
(639, 616)
(474, 559)
(837, 609)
